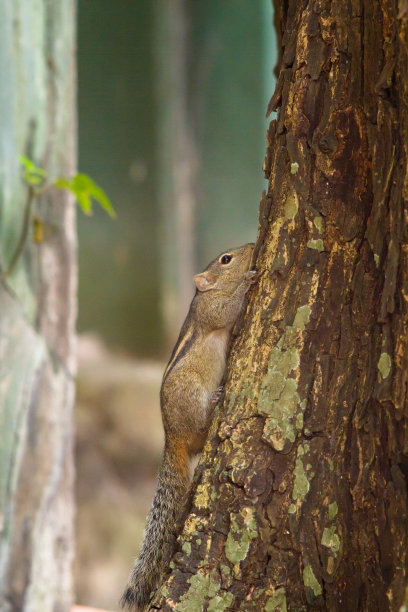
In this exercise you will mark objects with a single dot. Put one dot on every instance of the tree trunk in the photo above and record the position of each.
(300, 498)
(37, 308)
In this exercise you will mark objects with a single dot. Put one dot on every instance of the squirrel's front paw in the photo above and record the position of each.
(251, 277)
(217, 395)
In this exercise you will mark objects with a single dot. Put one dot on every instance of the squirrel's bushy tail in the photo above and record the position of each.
(167, 502)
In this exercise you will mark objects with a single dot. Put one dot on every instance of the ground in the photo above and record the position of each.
(118, 450)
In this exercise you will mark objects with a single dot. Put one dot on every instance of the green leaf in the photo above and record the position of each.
(81, 185)
(31, 167)
(33, 179)
(34, 175)
(80, 192)
(96, 192)
(85, 202)
(84, 189)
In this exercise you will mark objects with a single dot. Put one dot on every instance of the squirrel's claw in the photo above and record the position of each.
(251, 275)
(217, 395)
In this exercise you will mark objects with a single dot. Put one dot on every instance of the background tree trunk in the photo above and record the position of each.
(178, 161)
(300, 498)
(37, 308)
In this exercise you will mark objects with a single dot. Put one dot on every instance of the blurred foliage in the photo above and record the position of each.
(32, 173)
(85, 190)
(81, 185)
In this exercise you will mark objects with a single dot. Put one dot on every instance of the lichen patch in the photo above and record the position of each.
(316, 244)
(384, 366)
(243, 529)
(310, 581)
(277, 603)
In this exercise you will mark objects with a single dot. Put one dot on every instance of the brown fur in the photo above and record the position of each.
(191, 378)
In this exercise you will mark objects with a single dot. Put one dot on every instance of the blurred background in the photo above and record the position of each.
(172, 98)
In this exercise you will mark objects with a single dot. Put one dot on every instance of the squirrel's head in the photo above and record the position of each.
(228, 269)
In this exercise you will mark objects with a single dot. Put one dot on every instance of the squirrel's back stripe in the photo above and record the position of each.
(181, 348)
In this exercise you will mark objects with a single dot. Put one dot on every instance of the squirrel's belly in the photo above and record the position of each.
(215, 354)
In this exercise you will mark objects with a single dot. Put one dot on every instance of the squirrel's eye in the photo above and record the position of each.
(225, 259)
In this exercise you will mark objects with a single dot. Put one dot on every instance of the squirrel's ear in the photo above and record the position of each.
(205, 281)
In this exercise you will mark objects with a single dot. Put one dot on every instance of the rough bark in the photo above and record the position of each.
(300, 497)
(37, 308)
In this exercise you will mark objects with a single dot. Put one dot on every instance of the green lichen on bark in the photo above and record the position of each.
(201, 587)
(333, 509)
(246, 392)
(279, 398)
(195, 524)
(384, 366)
(277, 603)
(310, 581)
(330, 539)
(301, 483)
(318, 222)
(303, 475)
(302, 317)
(243, 529)
(202, 495)
(291, 206)
(219, 603)
(316, 244)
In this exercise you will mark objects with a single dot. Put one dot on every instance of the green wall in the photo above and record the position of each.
(229, 72)
(118, 286)
(227, 96)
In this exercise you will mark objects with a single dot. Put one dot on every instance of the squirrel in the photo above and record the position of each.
(189, 391)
